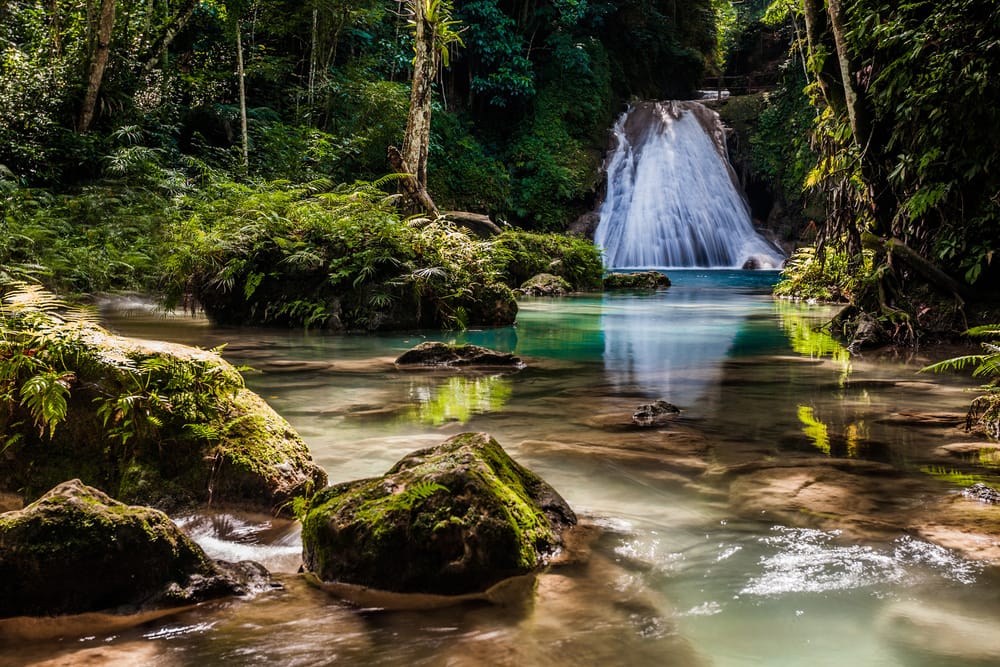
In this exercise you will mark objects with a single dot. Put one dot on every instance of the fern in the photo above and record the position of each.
(985, 409)
(44, 395)
(955, 363)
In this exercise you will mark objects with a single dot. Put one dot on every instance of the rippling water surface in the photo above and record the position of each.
(796, 512)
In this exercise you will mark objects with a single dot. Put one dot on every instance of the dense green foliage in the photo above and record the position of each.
(523, 105)
(152, 191)
(338, 258)
(907, 160)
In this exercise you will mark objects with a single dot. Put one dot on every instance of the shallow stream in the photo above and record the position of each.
(800, 510)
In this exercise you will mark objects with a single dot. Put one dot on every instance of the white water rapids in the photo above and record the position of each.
(672, 198)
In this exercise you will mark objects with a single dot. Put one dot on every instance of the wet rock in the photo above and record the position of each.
(942, 632)
(463, 356)
(585, 225)
(982, 493)
(544, 284)
(655, 414)
(451, 519)
(960, 449)
(198, 435)
(638, 280)
(77, 549)
(862, 502)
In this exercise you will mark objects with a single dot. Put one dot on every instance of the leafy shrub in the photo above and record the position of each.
(826, 276)
(339, 258)
(520, 255)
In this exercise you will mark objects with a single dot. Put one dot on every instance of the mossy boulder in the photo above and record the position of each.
(147, 422)
(76, 550)
(638, 280)
(451, 519)
(545, 284)
(434, 354)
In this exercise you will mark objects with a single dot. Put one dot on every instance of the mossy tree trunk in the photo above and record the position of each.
(417, 140)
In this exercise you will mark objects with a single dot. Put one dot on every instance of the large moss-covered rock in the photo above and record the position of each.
(76, 550)
(147, 422)
(544, 284)
(451, 519)
(636, 280)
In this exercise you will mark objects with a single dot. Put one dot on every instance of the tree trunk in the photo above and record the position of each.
(856, 111)
(415, 194)
(243, 96)
(56, 27)
(106, 23)
(313, 59)
(418, 124)
(156, 51)
(826, 68)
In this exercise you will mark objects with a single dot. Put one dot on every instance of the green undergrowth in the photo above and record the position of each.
(823, 275)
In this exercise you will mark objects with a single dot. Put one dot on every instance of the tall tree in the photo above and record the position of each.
(105, 26)
(433, 34)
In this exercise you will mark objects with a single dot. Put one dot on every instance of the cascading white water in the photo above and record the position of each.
(672, 197)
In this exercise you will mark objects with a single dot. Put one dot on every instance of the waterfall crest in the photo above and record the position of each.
(673, 199)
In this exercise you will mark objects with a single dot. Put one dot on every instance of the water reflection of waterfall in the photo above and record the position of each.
(673, 345)
(672, 197)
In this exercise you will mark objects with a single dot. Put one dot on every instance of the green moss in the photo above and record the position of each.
(452, 518)
(152, 423)
(520, 255)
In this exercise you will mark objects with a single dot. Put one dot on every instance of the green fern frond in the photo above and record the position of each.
(984, 331)
(954, 364)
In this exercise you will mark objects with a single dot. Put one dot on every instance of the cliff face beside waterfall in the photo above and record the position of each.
(672, 198)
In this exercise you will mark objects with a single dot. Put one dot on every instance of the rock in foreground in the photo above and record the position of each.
(148, 422)
(451, 519)
(76, 550)
(442, 354)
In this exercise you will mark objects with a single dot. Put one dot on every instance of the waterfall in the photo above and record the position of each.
(673, 199)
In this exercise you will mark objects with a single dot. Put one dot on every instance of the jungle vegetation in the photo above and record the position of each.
(150, 146)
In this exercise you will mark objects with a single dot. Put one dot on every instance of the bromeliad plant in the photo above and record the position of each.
(985, 409)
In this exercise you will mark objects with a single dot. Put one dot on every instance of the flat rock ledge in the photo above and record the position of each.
(77, 550)
(448, 520)
(442, 355)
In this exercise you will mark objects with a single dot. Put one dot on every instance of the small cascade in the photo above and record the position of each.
(673, 200)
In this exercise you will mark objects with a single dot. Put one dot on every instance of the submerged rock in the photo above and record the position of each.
(150, 423)
(983, 493)
(638, 280)
(655, 414)
(544, 284)
(76, 550)
(442, 354)
(451, 519)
